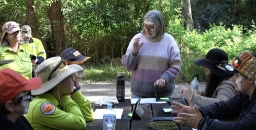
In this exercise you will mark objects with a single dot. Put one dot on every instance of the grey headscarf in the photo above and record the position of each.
(157, 18)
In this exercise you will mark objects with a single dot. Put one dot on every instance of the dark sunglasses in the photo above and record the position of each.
(56, 67)
(27, 97)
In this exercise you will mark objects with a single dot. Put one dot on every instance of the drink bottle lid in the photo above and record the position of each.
(109, 105)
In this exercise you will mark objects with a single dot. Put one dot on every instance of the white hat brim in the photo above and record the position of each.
(46, 86)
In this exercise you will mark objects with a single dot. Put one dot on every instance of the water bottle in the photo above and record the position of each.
(120, 87)
(194, 85)
(109, 118)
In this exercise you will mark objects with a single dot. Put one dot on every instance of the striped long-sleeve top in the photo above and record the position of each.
(154, 60)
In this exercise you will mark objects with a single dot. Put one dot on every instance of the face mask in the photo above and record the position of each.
(25, 104)
(238, 81)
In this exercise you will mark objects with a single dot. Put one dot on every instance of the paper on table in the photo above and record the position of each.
(146, 101)
(98, 113)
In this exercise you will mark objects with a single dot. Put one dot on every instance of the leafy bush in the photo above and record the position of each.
(195, 45)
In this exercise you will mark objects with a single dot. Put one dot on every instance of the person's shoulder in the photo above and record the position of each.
(227, 82)
(43, 106)
(4, 48)
(36, 40)
(169, 36)
(138, 35)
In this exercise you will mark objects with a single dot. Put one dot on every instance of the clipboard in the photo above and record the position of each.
(137, 111)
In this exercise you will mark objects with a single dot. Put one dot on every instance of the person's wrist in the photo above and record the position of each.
(76, 89)
(134, 54)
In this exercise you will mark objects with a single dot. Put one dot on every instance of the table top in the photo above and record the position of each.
(125, 123)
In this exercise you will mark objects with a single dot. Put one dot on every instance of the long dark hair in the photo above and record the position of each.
(213, 82)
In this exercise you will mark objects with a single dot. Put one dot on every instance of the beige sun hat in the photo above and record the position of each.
(52, 71)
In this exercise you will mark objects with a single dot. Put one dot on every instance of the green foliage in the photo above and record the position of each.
(105, 72)
(229, 12)
(196, 45)
(10, 11)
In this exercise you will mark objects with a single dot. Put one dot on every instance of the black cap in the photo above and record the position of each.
(73, 56)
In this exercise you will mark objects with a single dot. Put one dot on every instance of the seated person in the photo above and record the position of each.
(219, 87)
(72, 56)
(242, 106)
(53, 107)
(14, 99)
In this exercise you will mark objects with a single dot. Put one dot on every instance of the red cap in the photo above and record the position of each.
(12, 84)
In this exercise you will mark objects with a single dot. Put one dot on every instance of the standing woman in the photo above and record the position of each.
(153, 57)
(10, 49)
(219, 86)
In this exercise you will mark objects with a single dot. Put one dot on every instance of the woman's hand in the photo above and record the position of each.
(136, 46)
(190, 120)
(180, 108)
(160, 83)
(187, 93)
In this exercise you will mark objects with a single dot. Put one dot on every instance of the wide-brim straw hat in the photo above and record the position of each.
(52, 71)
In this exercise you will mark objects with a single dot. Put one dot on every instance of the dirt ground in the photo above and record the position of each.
(97, 90)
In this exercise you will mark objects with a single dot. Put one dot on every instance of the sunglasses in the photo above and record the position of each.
(55, 68)
(27, 97)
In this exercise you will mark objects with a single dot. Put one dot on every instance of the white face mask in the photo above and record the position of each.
(238, 81)
(25, 104)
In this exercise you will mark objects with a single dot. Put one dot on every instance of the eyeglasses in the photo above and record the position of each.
(148, 27)
(24, 32)
(56, 67)
(27, 97)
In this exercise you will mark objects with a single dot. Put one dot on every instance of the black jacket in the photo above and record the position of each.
(20, 124)
(240, 107)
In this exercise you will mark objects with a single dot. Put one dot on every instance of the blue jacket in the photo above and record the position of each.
(240, 106)
(20, 124)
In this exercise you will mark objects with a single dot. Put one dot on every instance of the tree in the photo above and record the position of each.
(32, 20)
(187, 14)
(57, 27)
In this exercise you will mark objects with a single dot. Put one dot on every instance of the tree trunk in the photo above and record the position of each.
(187, 14)
(32, 21)
(57, 27)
